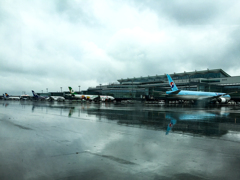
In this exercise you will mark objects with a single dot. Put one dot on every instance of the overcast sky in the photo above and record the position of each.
(55, 43)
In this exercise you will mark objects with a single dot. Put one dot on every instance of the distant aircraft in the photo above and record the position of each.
(50, 98)
(82, 97)
(56, 98)
(24, 97)
(106, 98)
(196, 95)
(36, 96)
(6, 96)
(90, 97)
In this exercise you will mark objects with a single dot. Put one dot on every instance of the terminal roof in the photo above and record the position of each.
(187, 74)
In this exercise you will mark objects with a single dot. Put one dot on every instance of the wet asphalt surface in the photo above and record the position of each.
(43, 140)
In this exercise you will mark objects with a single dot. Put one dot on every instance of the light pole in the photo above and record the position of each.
(132, 89)
(42, 91)
(79, 88)
(47, 89)
(61, 89)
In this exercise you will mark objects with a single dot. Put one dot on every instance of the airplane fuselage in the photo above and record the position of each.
(106, 98)
(93, 97)
(7, 97)
(24, 97)
(13, 98)
(198, 95)
(90, 97)
(86, 97)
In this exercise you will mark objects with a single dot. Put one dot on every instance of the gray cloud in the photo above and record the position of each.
(76, 12)
(188, 13)
(193, 13)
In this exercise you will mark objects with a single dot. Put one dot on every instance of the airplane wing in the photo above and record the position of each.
(175, 92)
(217, 96)
(232, 92)
(211, 97)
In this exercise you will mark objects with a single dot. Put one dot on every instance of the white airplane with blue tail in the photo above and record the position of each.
(196, 95)
(49, 98)
(38, 97)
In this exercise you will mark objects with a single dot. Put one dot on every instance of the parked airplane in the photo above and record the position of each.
(56, 98)
(82, 97)
(106, 98)
(50, 98)
(36, 96)
(24, 97)
(91, 97)
(6, 96)
(196, 95)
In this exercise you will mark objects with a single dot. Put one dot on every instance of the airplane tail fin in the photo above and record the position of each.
(6, 94)
(171, 83)
(71, 90)
(34, 94)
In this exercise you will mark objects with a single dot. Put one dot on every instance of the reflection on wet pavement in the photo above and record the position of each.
(41, 140)
(170, 125)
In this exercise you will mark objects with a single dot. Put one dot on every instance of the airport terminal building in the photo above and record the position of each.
(154, 87)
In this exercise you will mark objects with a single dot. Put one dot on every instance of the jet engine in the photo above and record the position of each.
(222, 100)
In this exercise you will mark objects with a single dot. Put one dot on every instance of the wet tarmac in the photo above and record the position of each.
(42, 140)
